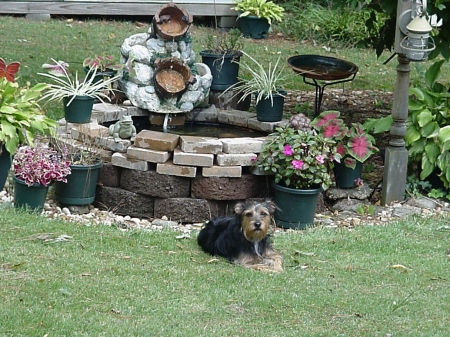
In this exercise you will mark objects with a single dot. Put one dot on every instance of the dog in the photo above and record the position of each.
(244, 238)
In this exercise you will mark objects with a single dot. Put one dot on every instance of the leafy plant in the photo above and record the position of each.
(41, 165)
(428, 126)
(225, 43)
(21, 117)
(261, 80)
(64, 86)
(260, 8)
(354, 143)
(298, 158)
(102, 63)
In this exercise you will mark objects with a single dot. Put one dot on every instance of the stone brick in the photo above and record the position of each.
(169, 168)
(215, 188)
(121, 160)
(158, 119)
(154, 184)
(185, 210)
(195, 144)
(244, 159)
(268, 127)
(152, 156)
(206, 115)
(154, 140)
(192, 159)
(242, 145)
(235, 117)
(222, 171)
(109, 175)
(124, 202)
(108, 112)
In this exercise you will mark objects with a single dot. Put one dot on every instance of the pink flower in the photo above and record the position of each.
(320, 159)
(288, 150)
(298, 164)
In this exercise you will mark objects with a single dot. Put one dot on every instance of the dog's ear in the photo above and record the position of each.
(271, 206)
(239, 208)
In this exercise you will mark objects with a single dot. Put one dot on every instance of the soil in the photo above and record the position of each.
(355, 106)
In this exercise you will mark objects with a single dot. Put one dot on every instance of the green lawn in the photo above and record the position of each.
(388, 280)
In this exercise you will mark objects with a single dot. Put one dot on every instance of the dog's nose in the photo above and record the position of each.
(257, 224)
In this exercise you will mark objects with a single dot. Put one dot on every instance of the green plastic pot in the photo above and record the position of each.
(29, 197)
(345, 176)
(254, 27)
(296, 208)
(80, 187)
(224, 69)
(79, 110)
(5, 165)
(268, 112)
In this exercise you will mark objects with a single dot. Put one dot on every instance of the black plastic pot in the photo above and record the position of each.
(254, 27)
(268, 112)
(224, 69)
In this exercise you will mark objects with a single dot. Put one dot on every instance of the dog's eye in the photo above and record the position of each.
(263, 214)
(248, 215)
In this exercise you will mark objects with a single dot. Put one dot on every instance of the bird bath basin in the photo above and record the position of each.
(330, 70)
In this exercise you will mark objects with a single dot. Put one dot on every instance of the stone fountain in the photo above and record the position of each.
(160, 73)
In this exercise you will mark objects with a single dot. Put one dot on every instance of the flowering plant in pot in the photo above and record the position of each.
(41, 164)
(301, 161)
(21, 117)
(35, 168)
(354, 143)
(103, 63)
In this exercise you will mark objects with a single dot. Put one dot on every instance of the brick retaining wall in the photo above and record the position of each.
(186, 178)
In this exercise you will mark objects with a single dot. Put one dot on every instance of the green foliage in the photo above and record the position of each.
(428, 126)
(225, 42)
(329, 26)
(259, 79)
(21, 117)
(298, 158)
(260, 8)
(385, 24)
(366, 209)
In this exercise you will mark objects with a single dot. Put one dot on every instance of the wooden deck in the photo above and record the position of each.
(112, 7)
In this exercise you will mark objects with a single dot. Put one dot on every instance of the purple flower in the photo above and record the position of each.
(288, 150)
(298, 164)
(320, 159)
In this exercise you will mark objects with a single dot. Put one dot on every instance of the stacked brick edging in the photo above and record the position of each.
(186, 178)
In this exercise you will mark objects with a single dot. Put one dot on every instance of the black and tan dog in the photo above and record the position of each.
(244, 238)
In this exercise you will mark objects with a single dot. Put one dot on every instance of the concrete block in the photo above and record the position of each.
(192, 159)
(242, 145)
(222, 171)
(154, 140)
(176, 170)
(235, 117)
(121, 160)
(194, 144)
(238, 159)
(152, 156)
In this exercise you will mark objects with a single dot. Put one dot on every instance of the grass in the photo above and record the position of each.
(72, 40)
(369, 281)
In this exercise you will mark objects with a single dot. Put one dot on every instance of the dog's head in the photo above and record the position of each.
(256, 219)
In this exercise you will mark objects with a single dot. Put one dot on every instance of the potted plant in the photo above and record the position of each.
(78, 95)
(221, 54)
(35, 168)
(354, 144)
(264, 82)
(301, 162)
(107, 66)
(21, 117)
(81, 185)
(256, 16)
